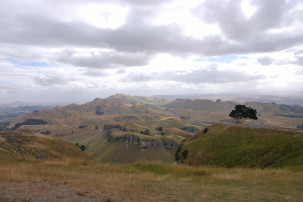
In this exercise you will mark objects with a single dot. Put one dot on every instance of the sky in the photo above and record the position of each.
(74, 51)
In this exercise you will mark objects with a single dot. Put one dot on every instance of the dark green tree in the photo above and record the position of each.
(159, 128)
(146, 132)
(243, 112)
(83, 147)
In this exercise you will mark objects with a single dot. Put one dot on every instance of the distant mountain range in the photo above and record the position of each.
(279, 99)
(19, 108)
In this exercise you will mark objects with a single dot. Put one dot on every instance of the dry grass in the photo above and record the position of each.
(2, 139)
(156, 181)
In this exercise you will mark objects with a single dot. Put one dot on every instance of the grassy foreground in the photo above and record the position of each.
(146, 182)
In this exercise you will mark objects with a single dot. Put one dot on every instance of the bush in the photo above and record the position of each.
(159, 128)
(46, 132)
(83, 147)
(146, 132)
(82, 126)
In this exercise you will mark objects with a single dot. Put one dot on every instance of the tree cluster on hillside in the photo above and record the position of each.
(146, 132)
(30, 122)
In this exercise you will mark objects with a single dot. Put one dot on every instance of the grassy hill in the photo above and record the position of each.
(237, 146)
(24, 144)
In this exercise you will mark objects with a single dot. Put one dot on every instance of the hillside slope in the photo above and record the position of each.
(237, 146)
(24, 144)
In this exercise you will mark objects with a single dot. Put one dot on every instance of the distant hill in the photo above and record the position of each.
(19, 108)
(278, 99)
(238, 146)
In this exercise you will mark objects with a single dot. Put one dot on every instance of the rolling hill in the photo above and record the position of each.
(239, 146)
(25, 145)
(139, 118)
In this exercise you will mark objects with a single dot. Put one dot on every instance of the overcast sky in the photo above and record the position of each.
(71, 51)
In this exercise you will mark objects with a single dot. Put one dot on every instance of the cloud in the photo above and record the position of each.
(214, 76)
(107, 59)
(133, 45)
(265, 61)
(95, 73)
(299, 60)
(208, 75)
(50, 80)
(139, 35)
(263, 31)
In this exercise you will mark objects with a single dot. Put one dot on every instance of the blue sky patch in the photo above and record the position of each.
(29, 64)
(223, 59)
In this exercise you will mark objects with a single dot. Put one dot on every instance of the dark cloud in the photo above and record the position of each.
(253, 34)
(265, 61)
(235, 25)
(138, 35)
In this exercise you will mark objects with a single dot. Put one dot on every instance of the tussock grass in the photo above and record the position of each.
(168, 169)
(1, 139)
(143, 181)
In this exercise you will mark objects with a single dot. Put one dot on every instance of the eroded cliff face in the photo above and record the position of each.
(143, 144)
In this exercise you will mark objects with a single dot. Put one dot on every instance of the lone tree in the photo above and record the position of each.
(243, 112)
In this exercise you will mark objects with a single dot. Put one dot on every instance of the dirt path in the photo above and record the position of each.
(41, 192)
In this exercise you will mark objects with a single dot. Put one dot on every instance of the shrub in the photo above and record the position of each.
(146, 132)
(83, 147)
(159, 128)
(82, 126)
